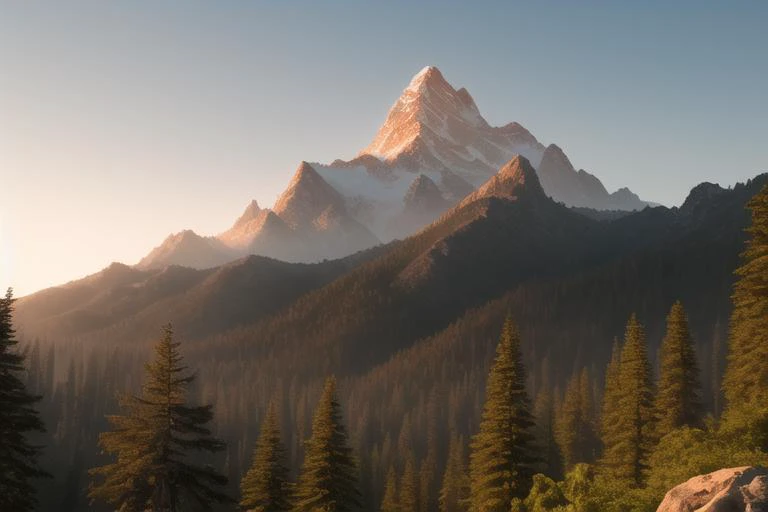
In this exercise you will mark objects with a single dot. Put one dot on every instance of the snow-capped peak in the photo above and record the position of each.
(433, 126)
(421, 79)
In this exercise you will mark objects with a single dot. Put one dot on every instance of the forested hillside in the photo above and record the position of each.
(409, 330)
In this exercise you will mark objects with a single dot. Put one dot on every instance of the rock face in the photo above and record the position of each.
(433, 126)
(727, 490)
(433, 150)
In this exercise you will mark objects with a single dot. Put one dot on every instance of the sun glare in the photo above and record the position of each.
(5, 258)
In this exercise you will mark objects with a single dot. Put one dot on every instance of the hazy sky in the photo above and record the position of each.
(121, 122)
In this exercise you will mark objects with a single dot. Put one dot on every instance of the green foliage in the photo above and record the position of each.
(390, 501)
(678, 401)
(152, 441)
(544, 414)
(409, 486)
(265, 487)
(545, 496)
(502, 458)
(329, 480)
(628, 436)
(687, 452)
(455, 490)
(18, 419)
(576, 433)
(578, 488)
(746, 378)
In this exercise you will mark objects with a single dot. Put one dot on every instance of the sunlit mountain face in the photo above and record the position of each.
(433, 149)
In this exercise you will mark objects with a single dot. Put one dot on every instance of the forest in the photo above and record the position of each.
(513, 356)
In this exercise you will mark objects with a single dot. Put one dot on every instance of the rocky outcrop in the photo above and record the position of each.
(727, 490)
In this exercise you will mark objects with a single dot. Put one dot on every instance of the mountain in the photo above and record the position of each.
(433, 149)
(433, 126)
(129, 303)
(579, 188)
(187, 249)
(408, 328)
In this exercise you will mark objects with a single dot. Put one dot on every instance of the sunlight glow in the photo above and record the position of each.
(6, 259)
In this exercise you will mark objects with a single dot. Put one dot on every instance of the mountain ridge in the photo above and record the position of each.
(331, 210)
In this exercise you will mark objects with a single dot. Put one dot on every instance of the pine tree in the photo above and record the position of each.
(544, 413)
(18, 419)
(502, 460)
(328, 479)
(609, 416)
(575, 424)
(454, 491)
(426, 479)
(390, 502)
(265, 487)
(630, 414)
(152, 442)
(588, 418)
(409, 486)
(678, 402)
(745, 383)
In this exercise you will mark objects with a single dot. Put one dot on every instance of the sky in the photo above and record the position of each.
(122, 122)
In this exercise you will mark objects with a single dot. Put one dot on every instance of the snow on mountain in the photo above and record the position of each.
(433, 126)
(432, 151)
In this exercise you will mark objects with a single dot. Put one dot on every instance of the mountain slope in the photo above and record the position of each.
(579, 188)
(433, 126)
(122, 303)
(433, 134)
(188, 249)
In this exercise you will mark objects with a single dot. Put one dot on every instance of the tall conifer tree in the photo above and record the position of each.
(455, 489)
(328, 479)
(409, 499)
(609, 421)
(18, 418)
(390, 501)
(576, 425)
(628, 422)
(502, 460)
(678, 402)
(153, 440)
(544, 413)
(265, 487)
(746, 377)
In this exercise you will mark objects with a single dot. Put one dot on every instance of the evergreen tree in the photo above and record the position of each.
(544, 413)
(152, 442)
(746, 377)
(575, 426)
(678, 402)
(18, 418)
(631, 422)
(426, 478)
(390, 503)
(454, 491)
(589, 433)
(265, 487)
(609, 416)
(502, 460)
(328, 479)
(409, 486)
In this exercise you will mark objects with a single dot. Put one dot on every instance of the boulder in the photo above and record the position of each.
(742, 489)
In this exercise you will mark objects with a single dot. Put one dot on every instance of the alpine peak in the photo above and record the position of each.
(515, 178)
(428, 76)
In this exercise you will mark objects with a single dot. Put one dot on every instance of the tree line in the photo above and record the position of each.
(608, 447)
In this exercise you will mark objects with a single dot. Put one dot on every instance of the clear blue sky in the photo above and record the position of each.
(122, 122)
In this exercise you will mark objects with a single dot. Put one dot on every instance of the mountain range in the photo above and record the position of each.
(433, 150)
(408, 328)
